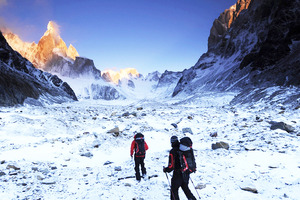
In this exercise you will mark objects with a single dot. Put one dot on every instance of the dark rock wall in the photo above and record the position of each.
(20, 80)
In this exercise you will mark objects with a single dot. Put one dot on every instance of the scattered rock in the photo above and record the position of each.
(2, 174)
(48, 182)
(34, 168)
(87, 154)
(118, 168)
(139, 108)
(215, 134)
(114, 131)
(2, 162)
(190, 117)
(126, 114)
(253, 190)
(107, 163)
(127, 184)
(113, 114)
(96, 143)
(187, 130)
(200, 186)
(282, 126)
(174, 125)
(250, 148)
(12, 167)
(40, 178)
(220, 145)
(86, 133)
(13, 173)
(144, 114)
(258, 119)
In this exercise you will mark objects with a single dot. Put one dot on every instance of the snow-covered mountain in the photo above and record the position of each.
(52, 55)
(21, 82)
(254, 44)
(49, 45)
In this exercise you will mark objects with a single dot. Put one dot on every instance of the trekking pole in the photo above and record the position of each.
(170, 186)
(195, 188)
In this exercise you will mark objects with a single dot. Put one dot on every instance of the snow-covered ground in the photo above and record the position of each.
(64, 151)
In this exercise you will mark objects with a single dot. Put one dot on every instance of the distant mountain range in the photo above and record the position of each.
(253, 45)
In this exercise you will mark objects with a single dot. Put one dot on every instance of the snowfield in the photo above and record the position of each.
(65, 151)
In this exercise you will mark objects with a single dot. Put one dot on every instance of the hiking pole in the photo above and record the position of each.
(170, 186)
(195, 188)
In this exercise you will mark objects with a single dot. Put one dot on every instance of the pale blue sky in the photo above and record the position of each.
(147, 35)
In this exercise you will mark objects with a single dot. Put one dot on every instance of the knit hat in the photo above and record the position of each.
(174, 139)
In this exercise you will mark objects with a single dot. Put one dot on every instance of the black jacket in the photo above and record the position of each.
(174, 163)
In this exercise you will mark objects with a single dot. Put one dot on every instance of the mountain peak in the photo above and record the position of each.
(53, 30)
(50, 43)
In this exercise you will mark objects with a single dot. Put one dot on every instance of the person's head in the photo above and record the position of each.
(174, 141)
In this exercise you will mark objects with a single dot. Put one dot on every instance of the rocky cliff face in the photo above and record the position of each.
(224, 21)
(52, 55)
(50, 44)
(81, 67)
(260, 48)
(21, 82)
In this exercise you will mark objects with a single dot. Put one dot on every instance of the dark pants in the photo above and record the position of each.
(139, 161)
(179, 181)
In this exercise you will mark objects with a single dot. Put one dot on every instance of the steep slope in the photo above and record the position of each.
(21, 82)
(260, 48)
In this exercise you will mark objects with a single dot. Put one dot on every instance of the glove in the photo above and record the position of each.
(165, 169)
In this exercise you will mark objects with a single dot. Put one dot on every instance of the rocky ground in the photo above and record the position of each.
(81, 150)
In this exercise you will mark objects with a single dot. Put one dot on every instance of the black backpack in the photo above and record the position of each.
(140, 145)
(186, 156)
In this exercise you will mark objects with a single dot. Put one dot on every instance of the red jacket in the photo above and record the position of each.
(133, 148)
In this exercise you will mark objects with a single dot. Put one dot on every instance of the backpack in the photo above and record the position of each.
(140, 145)
(186, 156)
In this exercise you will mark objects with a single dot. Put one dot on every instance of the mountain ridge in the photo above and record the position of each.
(21, 82)
(252, 53)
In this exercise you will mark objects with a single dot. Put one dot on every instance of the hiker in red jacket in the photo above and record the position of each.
(139, 146)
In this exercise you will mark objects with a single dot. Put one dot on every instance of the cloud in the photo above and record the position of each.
(3, 3)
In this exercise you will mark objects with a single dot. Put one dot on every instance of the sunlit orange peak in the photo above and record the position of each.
(123, 74)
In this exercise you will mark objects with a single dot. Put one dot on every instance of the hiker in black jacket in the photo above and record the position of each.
(177, 180)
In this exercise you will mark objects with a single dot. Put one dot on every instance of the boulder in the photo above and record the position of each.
(220, 145)
(282, 126)
(187, 130)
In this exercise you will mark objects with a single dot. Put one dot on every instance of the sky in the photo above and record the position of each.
(149, 35)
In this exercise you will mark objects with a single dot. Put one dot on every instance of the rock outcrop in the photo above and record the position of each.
(258, 45)
(20, 81)
(223, 23)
